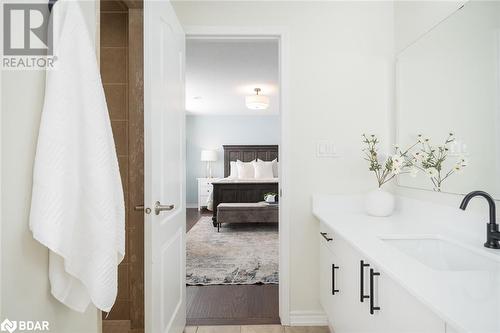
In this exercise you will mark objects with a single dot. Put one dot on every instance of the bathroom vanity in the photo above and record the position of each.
(423, 269)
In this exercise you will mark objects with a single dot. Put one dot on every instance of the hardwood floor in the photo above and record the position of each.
(193, 215)
(230, 304)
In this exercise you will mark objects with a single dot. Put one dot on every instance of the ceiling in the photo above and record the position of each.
(221, 72)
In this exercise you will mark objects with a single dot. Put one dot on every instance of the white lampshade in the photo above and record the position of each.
(257, 102)
(208, 156)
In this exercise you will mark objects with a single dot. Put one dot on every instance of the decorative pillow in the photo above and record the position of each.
(274, 164)
(263, 170)
(233, 170)
(245, 170)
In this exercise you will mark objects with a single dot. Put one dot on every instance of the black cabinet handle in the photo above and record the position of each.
(324, 234)
(362, 295)
(333, 279)
(372, 295)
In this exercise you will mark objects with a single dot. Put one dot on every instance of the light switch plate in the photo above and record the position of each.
(458, 148)
(326, 149)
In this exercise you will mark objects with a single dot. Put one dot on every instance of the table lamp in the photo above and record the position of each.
(208, 156)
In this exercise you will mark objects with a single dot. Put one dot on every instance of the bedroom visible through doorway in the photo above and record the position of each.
(233, 131)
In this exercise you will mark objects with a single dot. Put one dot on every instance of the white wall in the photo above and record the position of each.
(25, 286)
(212, 132)
(412, 19)
(341, 86)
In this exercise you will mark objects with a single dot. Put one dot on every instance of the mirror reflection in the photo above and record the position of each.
(448, 82)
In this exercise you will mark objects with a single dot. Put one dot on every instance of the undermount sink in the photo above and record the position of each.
(440, 254)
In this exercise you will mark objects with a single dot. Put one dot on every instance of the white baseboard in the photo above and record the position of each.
(308, 318)
(191, 205)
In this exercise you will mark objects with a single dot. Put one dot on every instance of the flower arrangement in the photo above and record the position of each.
(420, 156)
(385, 169)
(431, 160)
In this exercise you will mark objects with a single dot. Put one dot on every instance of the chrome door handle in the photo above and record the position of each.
(160, 208)
(141, 208)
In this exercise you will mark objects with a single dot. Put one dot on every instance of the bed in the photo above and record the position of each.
(229, 190)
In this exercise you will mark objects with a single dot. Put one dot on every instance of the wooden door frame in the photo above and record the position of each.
(281, 35)
(132, 8)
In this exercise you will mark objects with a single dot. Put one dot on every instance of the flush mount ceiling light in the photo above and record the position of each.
(257, 102)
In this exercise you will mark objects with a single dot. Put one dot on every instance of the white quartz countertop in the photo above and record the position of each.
(468, 300)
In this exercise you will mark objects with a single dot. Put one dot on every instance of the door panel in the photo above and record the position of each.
(164, 169)
(172, 284)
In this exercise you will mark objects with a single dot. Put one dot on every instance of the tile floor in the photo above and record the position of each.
(256, 329)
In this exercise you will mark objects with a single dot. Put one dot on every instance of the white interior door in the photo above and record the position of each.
(164, 157)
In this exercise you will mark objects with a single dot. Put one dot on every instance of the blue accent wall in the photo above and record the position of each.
(211, 132)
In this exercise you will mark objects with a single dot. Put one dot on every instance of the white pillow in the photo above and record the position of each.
(245, 170)
(263, 170)
(274, 164)
(233, 170)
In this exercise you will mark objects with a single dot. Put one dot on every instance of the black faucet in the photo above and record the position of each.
(492, 233)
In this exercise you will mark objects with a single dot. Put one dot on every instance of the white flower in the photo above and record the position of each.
(397, 161)
(396, 170)
(463, 161)
(420, 138)
(396, 146)
(418, 156)
(431, 172)
(457, 168)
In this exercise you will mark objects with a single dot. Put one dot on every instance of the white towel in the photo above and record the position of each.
(77, 208)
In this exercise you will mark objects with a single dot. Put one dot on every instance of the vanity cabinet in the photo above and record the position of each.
(393, 309)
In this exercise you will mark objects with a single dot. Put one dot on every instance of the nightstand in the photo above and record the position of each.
(204, 189)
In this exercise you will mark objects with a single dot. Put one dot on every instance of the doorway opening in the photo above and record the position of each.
(127, 76)
(233, 138)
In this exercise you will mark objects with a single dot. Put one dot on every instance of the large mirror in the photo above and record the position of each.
(448, 81)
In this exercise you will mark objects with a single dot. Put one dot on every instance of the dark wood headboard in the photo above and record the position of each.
(247, 153)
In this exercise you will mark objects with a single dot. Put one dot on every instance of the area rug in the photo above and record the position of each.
(238, 254)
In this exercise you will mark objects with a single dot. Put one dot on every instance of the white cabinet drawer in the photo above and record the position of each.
(205, 187)
(203, 190)
(327, 236)
(206, 183)
(340, 269)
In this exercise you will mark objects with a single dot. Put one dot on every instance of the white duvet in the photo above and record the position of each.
(230, 180)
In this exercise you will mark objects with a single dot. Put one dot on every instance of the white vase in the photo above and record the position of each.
(379, 203)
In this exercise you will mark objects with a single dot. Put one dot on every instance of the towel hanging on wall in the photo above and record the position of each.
(77, 208)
